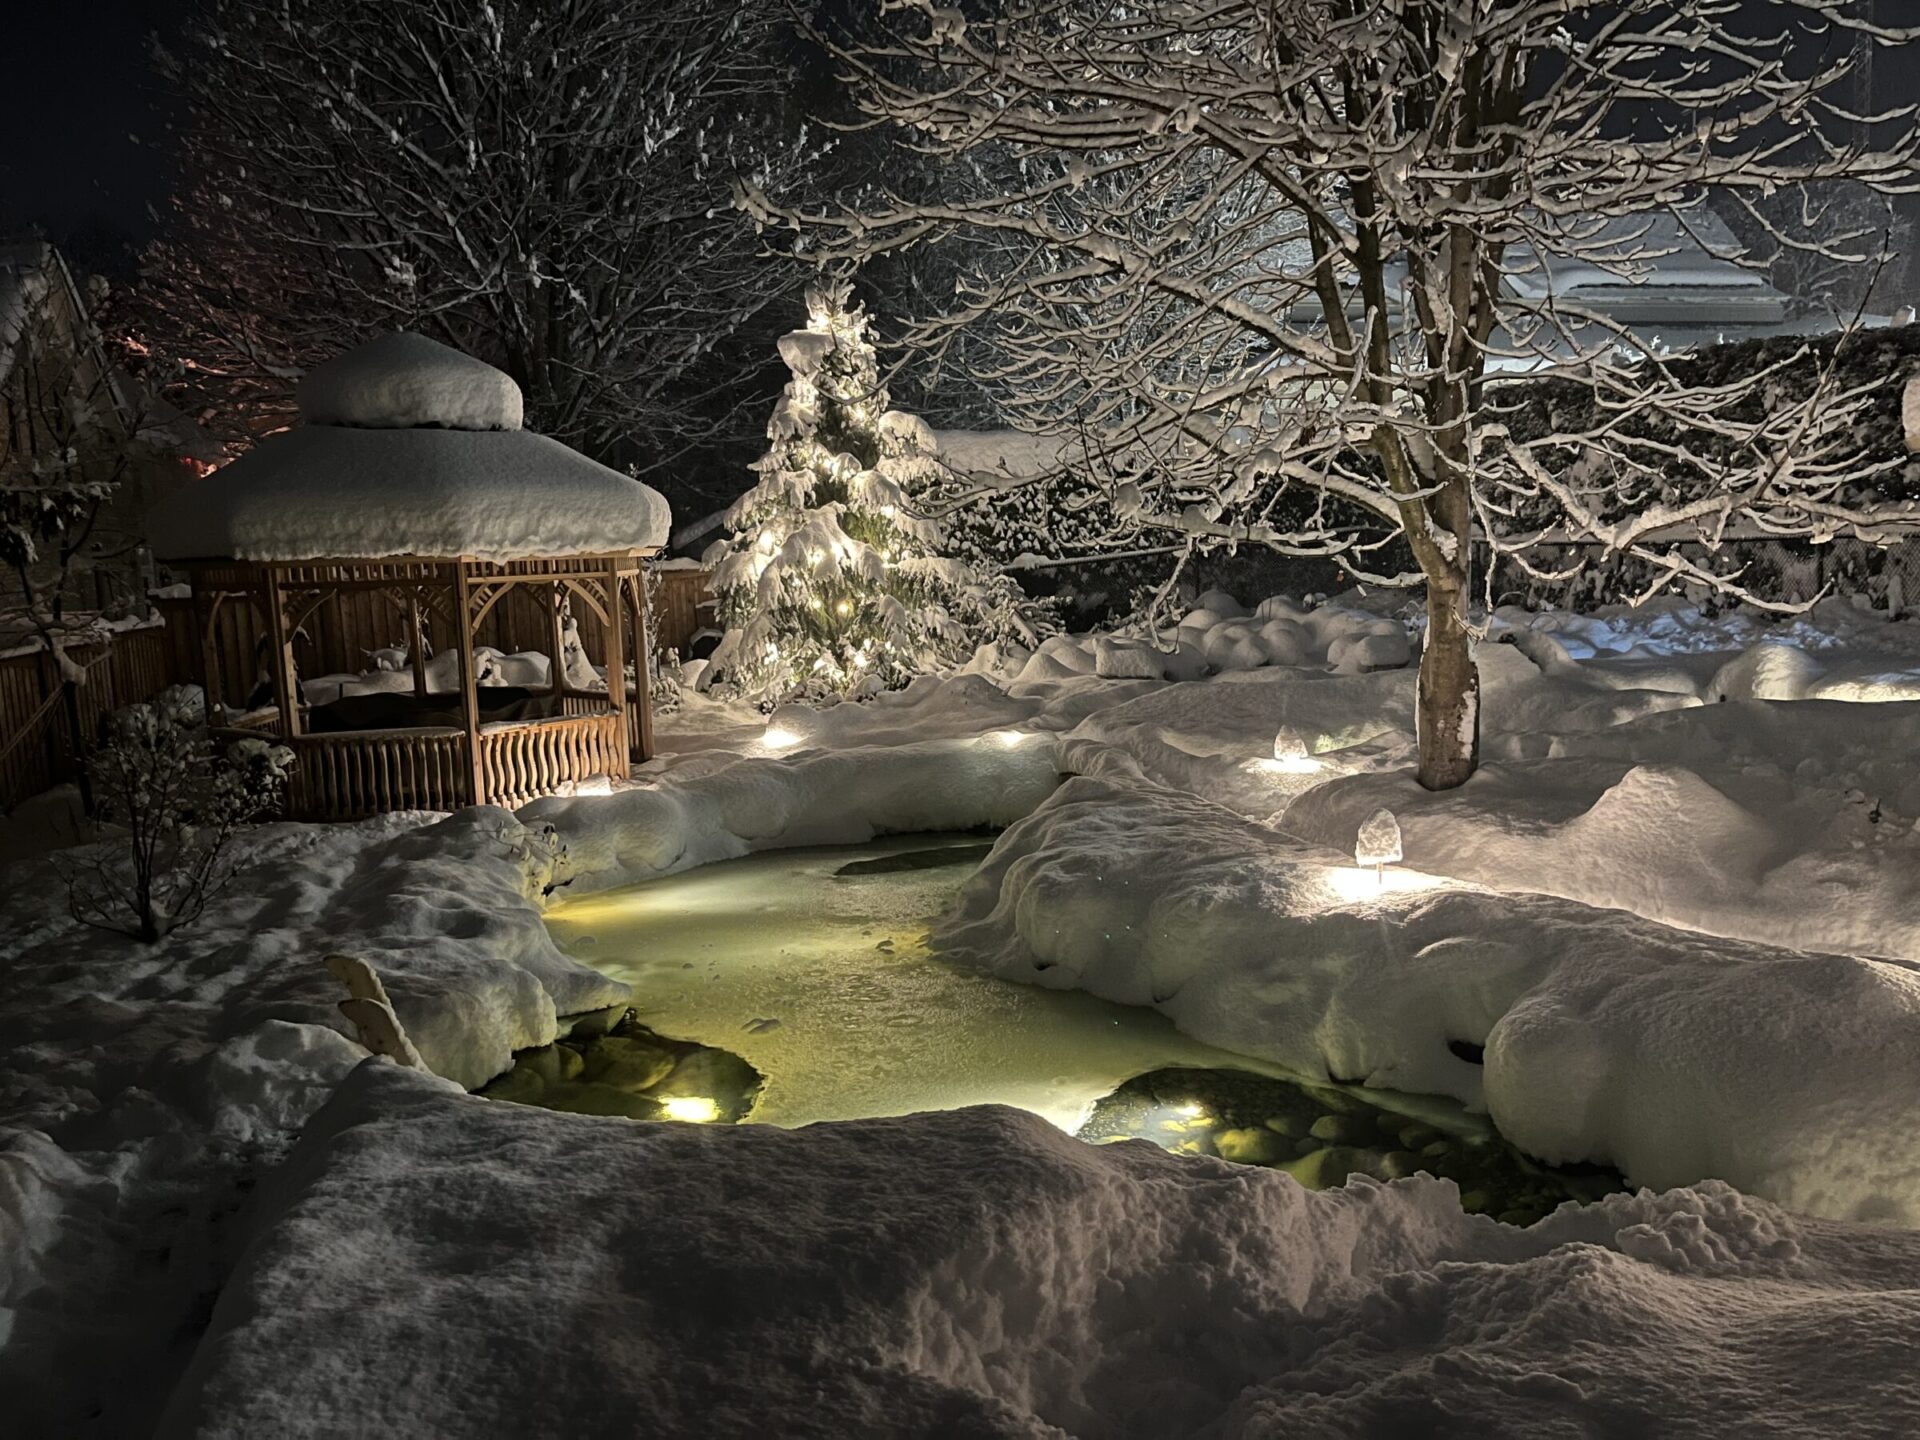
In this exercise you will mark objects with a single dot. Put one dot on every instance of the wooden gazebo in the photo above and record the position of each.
(410, 518)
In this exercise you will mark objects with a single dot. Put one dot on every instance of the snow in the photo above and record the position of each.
(978, 1273)
(1607, 1037)
(404, 381)
(806, 797)
(1661, 929)
(996, 457)
(409, 448)
(329, 492)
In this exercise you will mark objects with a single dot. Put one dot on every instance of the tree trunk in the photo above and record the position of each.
(1448, 712)
(79, 744)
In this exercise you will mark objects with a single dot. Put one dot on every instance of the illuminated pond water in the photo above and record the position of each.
(812, 966)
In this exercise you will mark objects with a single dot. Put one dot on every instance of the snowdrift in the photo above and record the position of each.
(1606, 1037)
(978, 1273)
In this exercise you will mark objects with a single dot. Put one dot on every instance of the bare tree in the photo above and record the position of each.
(1263, 257)
(540, 182)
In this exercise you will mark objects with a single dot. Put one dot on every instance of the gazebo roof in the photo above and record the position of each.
(409, 448)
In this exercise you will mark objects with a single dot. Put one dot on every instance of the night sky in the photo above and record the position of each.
(80, 88)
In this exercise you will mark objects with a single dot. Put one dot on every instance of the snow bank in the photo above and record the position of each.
(401, 381)
(1279, 631)
(1740, 820)
(1606, 1037)
(978, 1273)
(141, 1085)
(1216, 737)
(825, 797)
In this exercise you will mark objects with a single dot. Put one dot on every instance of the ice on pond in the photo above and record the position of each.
(822, 982)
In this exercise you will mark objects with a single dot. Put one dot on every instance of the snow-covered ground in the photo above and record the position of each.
(1672, 920)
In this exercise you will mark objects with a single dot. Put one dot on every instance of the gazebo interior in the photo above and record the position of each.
(446, 729)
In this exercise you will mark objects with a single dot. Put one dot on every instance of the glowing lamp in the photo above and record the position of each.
(1290, 752)
(778, 738)
(1378, 843)
(693, 1109)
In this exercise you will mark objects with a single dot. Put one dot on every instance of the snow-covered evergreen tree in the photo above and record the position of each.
(831, 583)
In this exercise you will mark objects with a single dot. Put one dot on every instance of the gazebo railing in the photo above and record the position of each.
(356, 773)
(523, 760)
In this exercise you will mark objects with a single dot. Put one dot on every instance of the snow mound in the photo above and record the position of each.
(823, 797)
(1768, 671)
(402, 381)
(1334, 635)
(1606, 1037)
(977, 1273)
(1108, 657)
(1789, 827)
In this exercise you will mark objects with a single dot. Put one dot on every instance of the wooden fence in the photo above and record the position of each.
(682, 607)
(36, 742)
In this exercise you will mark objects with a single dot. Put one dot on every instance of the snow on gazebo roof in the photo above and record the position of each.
(408, 448)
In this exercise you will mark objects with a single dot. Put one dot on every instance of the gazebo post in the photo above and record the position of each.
(417, 641)
(642, 737)
(284, 694)
(207, 611)
(469, 683)
(617, 656)
(556, 602)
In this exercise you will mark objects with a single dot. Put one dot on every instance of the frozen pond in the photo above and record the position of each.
(822, 982)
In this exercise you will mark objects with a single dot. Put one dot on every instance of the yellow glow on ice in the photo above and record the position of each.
(694, 1109)
(1355, 882)
(1292, 765)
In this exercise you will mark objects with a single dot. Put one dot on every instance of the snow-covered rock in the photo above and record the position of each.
(824, 797)
(402, 381)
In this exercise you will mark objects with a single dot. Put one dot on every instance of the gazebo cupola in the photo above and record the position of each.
(410, 524)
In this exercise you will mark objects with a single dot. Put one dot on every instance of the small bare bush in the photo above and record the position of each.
(179, 800)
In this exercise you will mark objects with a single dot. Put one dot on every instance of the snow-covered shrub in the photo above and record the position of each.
(159, 779)
(832, 583)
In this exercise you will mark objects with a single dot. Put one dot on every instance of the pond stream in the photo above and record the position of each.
(811, 966)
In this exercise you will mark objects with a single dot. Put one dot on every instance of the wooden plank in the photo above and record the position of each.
(285, 696)
(617, 659)
(469, 682)
(642, 666)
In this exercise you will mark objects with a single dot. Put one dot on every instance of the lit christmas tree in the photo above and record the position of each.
(830, 585)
